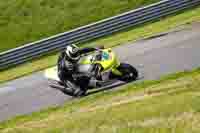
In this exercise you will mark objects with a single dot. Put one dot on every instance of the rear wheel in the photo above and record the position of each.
(129, 73)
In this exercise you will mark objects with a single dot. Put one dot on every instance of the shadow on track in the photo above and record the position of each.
(92, 91)
(111, 86)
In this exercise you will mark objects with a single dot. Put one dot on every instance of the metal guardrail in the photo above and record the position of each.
(93, 31)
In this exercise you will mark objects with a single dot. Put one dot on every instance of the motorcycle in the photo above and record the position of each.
(79, 82)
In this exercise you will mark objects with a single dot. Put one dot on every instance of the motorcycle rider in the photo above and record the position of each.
(68, 59)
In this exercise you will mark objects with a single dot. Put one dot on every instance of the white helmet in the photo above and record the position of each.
(72, 52)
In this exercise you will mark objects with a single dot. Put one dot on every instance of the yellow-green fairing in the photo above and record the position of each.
(109, 61)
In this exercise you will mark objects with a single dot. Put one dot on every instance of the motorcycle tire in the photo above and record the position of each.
(129, 73)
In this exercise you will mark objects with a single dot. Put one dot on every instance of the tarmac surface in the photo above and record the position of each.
(178, 50)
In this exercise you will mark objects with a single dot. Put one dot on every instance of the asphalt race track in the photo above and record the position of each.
(155, 57)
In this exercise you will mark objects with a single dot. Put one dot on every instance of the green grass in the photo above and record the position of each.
(24, 21)
(124, 37)
(170, 104)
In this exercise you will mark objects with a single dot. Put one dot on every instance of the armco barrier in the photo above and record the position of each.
(93, 31)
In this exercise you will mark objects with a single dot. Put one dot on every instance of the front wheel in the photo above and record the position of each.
(129, 73)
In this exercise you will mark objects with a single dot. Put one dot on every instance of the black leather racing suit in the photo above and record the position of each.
(65, 62)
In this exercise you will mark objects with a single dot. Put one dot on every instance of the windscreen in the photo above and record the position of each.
(100, 56)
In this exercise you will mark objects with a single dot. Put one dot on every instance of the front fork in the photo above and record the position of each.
(115, 70)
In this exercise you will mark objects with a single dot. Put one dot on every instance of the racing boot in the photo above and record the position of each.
(73, 90)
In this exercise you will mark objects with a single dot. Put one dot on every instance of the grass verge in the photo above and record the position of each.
(124, 37)
(170, 104)
(42, 18)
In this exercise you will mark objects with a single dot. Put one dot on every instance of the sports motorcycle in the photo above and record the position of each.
(79, 82)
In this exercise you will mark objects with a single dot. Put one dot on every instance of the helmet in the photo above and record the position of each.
(72, 52)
